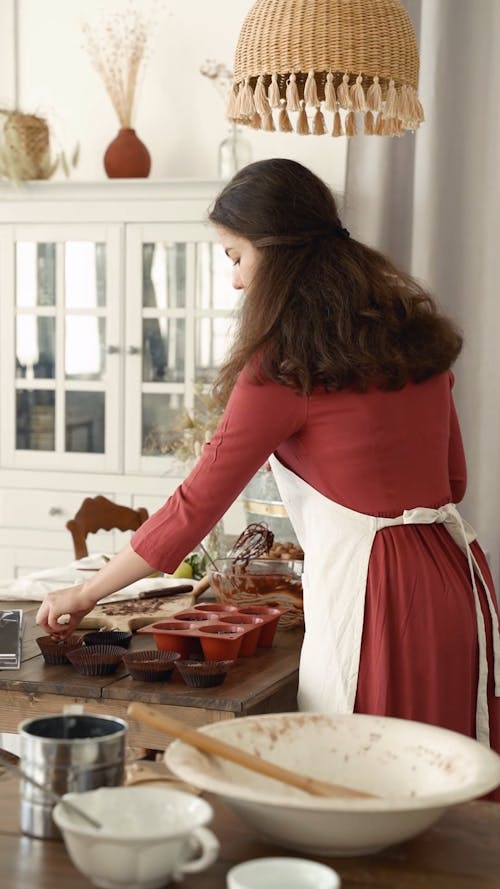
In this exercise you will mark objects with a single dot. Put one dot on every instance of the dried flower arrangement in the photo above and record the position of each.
(220, 75)
(194, 429)
(118, 48)
(185, 443)
(25, 151)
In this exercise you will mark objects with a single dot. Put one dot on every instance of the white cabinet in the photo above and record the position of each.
(116, 304)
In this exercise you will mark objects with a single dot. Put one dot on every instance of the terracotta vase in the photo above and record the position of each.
(126, 157)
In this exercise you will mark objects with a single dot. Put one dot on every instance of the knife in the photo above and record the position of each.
(167, 591)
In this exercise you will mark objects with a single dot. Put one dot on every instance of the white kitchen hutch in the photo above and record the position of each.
(115, 302)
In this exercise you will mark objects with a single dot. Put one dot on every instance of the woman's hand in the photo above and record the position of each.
(75, 602)
(62, 610)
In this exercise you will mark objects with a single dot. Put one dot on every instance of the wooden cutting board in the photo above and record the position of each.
(131, 614)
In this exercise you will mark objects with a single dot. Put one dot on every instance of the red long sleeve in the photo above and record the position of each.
(256, 420)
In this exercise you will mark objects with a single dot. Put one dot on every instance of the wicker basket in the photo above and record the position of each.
(26, 147)
(354, 55)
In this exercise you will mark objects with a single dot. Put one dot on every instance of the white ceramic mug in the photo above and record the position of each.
(278, 873)
(149, 836)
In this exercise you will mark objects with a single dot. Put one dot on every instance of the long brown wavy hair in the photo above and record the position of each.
(322, 309)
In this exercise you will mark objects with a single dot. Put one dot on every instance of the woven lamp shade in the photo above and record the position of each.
(356, 60)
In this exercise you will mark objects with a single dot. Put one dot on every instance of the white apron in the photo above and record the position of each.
(337, 543)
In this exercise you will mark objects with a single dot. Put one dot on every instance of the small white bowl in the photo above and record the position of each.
(150, 835)
(415, 771)
(278, 873)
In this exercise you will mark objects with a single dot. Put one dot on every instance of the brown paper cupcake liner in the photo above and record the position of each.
(204, 674)
(108, 637)
(96, 660)
(55, 651)
(151, 665)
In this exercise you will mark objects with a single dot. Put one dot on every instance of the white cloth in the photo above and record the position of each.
(337, 543)
(33, 587)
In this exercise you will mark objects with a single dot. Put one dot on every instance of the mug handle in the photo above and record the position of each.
(209, 845)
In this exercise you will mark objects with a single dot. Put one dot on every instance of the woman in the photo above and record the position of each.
(340, 370)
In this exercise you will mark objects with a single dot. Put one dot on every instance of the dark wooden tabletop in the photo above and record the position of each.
(265, 682)
(461, 851)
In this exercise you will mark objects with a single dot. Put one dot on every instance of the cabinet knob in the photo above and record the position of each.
(55, 510)
(112, 350)
(134, 350)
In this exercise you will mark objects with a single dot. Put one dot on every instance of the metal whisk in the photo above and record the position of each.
(252, 543)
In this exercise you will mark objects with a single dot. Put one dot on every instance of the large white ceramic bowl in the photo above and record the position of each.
(149, 836)
(416, 770)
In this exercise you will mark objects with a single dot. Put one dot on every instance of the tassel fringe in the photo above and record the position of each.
(232, 103)
(343, 95)
(310, 90)
(357, 95)
(337, 125)
(268, 122)
(284, 122)
(388, 108)
(245, 104)
(350, 124)
(319, 126)
(260, 98)
(274, 92)
(292, 94)
(331, 103)
(391, 101)
(374, 95)
(302, 125)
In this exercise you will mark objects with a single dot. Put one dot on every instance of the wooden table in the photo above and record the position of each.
(264, 683)
(462, 851)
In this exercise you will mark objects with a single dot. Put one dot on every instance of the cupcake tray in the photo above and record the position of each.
(218, 634)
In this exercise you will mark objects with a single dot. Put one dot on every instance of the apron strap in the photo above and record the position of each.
(463, 534)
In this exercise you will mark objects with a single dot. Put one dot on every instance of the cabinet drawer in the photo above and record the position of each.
(148, 501)
(41, 510)
(19, 561)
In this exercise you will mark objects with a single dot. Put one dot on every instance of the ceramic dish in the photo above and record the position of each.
(415, 771)
(149, 836)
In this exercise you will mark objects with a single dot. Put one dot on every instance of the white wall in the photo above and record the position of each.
(180, 114)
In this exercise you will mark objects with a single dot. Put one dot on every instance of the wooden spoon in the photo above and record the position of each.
(200, 587)
(210, 744)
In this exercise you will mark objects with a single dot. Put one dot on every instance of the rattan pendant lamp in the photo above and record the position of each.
(327, 66)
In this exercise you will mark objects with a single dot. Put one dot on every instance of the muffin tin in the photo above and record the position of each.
(216, 635)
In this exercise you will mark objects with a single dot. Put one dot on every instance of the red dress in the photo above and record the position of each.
(378, 453)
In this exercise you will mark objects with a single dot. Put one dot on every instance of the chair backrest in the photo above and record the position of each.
(99, 513)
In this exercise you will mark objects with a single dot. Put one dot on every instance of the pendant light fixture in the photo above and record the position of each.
(327, 66)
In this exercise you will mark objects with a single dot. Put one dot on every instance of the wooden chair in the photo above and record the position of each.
(99, 513)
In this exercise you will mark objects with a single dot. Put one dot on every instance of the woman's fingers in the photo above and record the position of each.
(61, 612)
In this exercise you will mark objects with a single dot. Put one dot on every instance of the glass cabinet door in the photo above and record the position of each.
(61, 352)
(177, 335)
